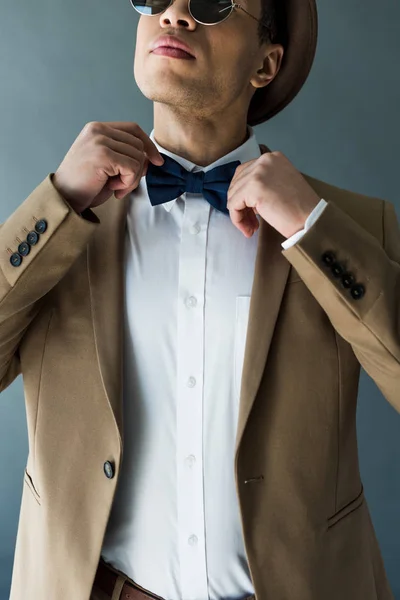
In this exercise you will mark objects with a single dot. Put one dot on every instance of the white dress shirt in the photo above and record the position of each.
(175, 524)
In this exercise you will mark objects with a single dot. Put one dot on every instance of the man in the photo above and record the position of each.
(191, 344)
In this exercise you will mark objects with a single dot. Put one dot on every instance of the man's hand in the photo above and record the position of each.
(272, 187)
(108, 156)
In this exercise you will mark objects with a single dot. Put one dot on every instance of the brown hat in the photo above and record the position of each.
(302, 33)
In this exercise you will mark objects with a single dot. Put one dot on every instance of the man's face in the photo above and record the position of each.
(226, 57)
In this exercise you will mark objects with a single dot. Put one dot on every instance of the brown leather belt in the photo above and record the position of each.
(106, 578)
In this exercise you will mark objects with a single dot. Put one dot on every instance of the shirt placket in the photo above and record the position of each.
(190, 385)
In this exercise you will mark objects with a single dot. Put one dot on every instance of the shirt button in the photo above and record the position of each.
(190, 460)
(192, 540)
(190, 302)
(195, 229)
(191, 382)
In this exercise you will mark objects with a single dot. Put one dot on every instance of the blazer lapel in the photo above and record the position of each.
(106, 260)
(270, 278)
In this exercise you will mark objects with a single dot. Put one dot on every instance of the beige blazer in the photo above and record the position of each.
(306, 524)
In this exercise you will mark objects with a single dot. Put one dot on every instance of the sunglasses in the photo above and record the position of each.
(205, 12)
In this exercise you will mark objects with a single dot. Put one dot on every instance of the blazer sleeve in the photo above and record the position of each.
(370, 322)
(23, 287)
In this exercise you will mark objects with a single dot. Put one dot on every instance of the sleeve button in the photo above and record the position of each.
(328, 258)
(41, 226)
(357, 291)
(32, 238)
(24, 249)
(15, 259)
(337, 269)
(348, 280)
(109, 469)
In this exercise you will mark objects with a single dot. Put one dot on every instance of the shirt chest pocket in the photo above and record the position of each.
(241, 325)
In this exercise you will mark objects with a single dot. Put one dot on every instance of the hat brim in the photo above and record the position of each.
(302, 35)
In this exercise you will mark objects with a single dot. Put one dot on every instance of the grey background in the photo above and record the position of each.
(63, 64)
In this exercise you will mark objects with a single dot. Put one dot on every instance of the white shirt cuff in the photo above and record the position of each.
(317, 212)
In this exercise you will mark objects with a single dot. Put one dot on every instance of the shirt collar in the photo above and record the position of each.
(249, 150)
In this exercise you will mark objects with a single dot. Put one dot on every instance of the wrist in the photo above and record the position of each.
(72, 203)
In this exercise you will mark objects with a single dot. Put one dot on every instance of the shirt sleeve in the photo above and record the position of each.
(318, 210)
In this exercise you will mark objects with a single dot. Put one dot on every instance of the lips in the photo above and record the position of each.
(173, 52)
(168, 41)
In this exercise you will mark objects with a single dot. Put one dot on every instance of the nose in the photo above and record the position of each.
(178, 13)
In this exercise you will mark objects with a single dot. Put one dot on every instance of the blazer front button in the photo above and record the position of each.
(24, 249)
(109, 469)
(15, 259)
(337, 269)
(357, 291)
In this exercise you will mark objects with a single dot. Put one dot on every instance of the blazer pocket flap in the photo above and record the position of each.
(29, 482)
(346, 510)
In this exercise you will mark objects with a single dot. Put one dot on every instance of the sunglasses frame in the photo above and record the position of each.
(233, 6)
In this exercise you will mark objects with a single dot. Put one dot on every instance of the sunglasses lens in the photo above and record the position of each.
(210, 11)
(150, 7)
(204, 11)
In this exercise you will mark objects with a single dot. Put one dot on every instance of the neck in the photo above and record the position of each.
(202, 141)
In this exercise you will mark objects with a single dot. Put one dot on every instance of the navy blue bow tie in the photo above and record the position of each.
(171, 180)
